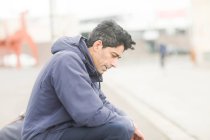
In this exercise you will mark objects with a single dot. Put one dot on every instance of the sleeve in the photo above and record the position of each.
(110, 105)
(73, 88)
(113, 108)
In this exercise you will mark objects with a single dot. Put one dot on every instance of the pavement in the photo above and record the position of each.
(170, 103)
(15, 89)
(175, 99)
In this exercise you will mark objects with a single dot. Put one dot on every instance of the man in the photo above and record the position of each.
(67, 102)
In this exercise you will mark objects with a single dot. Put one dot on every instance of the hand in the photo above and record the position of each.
(137, 135)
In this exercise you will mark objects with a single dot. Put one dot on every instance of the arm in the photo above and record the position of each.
(137, 135)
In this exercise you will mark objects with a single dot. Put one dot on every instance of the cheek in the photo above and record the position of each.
(103, 60)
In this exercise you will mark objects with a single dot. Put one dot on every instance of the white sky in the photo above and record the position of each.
(86, 8)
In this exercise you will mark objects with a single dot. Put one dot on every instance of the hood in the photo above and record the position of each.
(66, 43)
(78, 45)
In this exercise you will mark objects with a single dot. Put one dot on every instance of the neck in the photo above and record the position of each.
(91, 52)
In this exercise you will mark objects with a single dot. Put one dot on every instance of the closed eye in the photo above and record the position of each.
(114, 55)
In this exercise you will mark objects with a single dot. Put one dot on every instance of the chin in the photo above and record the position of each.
(101, 72)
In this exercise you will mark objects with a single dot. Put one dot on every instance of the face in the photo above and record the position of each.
(105, 58)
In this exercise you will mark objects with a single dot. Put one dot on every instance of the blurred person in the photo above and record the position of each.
(163, 53)
(67, 102)
(193, 55)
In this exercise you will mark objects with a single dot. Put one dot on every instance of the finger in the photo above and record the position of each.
(138, 137)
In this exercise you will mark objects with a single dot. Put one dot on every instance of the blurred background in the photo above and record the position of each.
(163, 84)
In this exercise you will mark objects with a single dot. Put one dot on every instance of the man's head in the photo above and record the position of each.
(107, 43)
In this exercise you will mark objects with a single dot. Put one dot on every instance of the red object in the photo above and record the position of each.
(15, 42)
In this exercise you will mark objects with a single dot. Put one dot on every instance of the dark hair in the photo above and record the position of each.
(111, 34)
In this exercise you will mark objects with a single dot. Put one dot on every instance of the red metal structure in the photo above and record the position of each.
(13, 43)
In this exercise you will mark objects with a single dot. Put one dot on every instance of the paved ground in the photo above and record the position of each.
(170, 103)
(15, 90)
(175, 99)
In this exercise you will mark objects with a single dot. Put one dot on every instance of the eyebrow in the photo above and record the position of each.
(117, 54)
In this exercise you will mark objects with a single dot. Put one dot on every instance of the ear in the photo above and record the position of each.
(97, 45)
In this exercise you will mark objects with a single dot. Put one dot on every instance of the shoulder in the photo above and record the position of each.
(68, 57)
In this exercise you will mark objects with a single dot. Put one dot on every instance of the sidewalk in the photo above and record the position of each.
(15, 89)
(174, 99)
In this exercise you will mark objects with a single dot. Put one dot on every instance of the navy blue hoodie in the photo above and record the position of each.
(67, 94)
